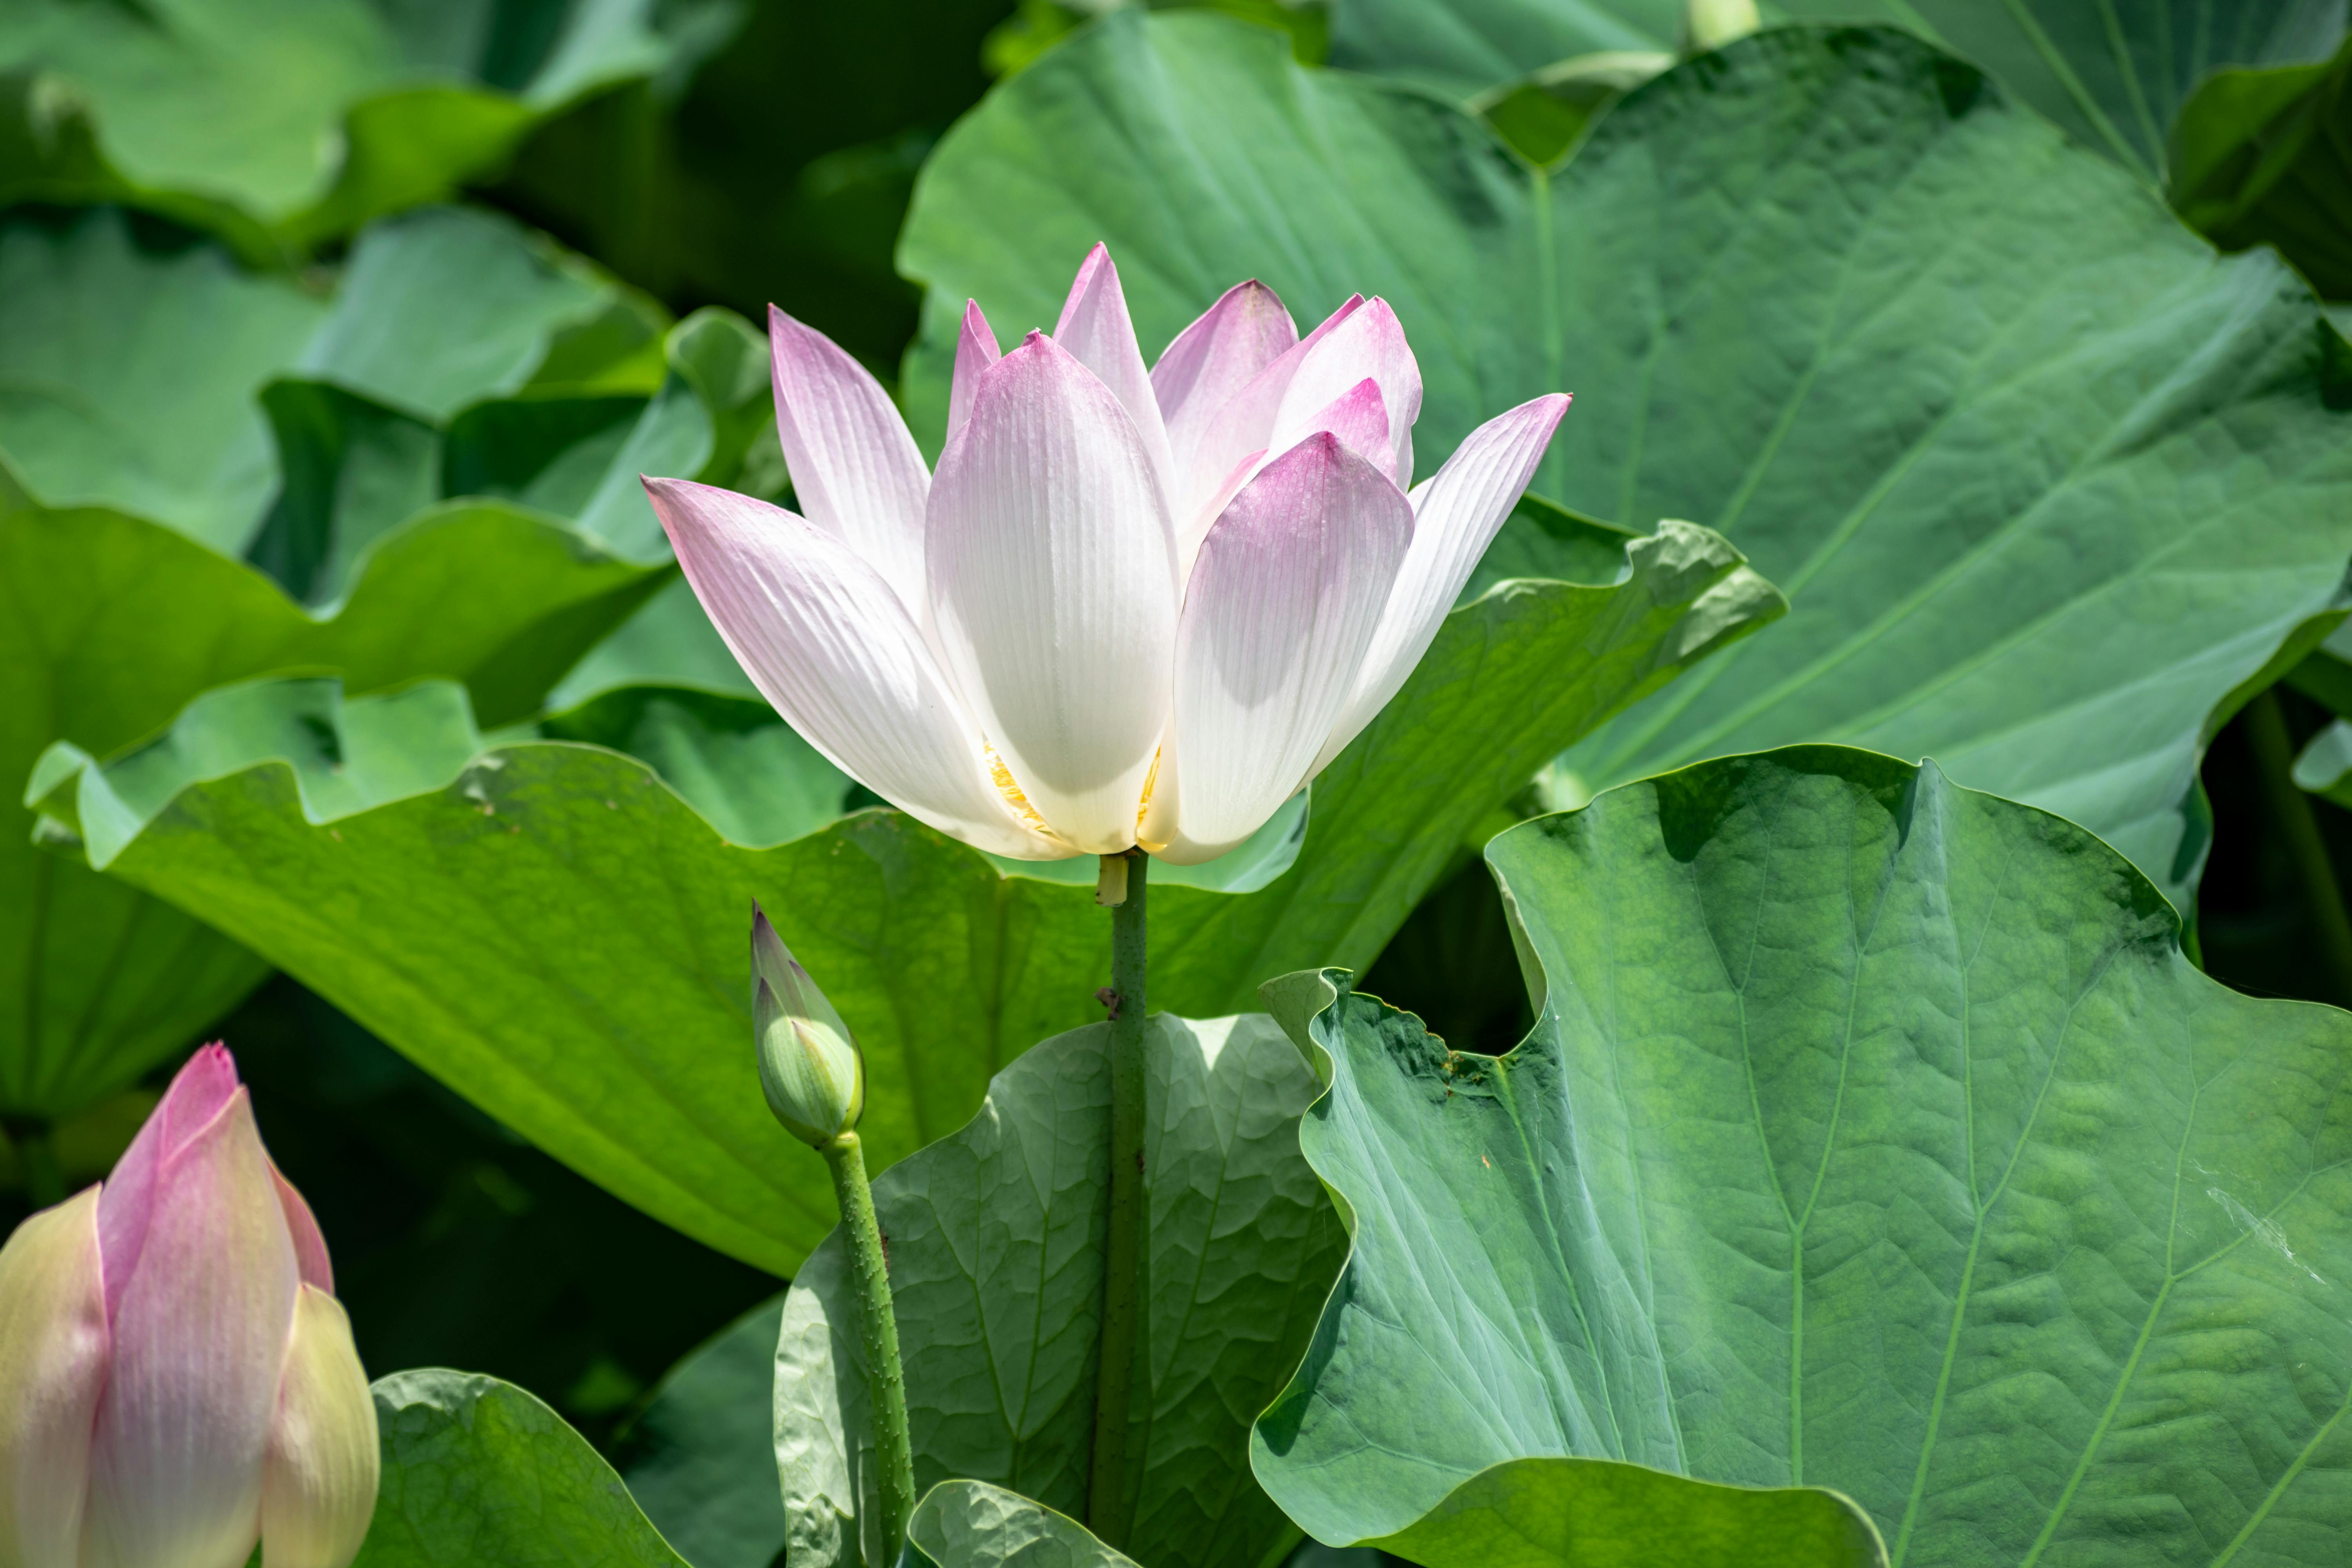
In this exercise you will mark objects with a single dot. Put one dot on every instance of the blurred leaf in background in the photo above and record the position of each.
(2265, 157)
(280, 124)
(2112, 73)
(781, 174)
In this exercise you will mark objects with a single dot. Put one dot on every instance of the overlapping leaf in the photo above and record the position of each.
(2113, 75)
(2047, 483)
(996, 1270)
(974, 1525)
(1873, 1134)
(2265, 157)
(132, 370)
(559, 937)
(477, 1471)
(281, 123)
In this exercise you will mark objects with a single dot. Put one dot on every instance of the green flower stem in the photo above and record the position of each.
(894, 1453)
(1110, 1486)
(2290, 812)
(37, 1163)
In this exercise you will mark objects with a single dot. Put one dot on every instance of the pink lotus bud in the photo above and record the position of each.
(177, 1380)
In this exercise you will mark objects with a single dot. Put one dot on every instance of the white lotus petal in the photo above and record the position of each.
(1097, 331)
(1052, 569)
(1245, 425)
(1211, 361)
(830, 646)
(1455, 516)
(856, 471)
(1282, 606)
(1369, 342)
(976, 350)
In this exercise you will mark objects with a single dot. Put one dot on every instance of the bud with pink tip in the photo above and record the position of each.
(177, 1380)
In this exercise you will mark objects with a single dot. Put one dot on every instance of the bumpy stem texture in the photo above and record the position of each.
(894, 1453)
(1110, 1483)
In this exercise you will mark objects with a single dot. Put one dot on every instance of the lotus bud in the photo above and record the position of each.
(177, 1381)
(1711, 24)
(809, 1066)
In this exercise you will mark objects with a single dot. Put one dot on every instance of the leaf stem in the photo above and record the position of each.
(894, 1454)
(2291, 811)
(36, 1163)
(1110, 1485)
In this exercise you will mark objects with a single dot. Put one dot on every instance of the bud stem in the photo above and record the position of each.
(1111, 1502)
(894, 1453)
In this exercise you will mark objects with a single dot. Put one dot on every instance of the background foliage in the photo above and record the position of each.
(333, 336)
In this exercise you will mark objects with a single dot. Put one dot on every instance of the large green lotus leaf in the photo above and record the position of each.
(971, 1524)
(2265, 157)
(2048, 484)
(130, 376)
(561, 939)
(109, 625)
(479, 1472)
(996, 1274)
(701, 1460)
(286, 122)
(1873, 1134)
(2114, 74)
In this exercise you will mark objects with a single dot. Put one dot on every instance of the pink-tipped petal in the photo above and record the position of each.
(1359, 418)
(53, 1354)
(976, 350)
(1053, 577)
(1211, 361)
(1369, 342)
(1282, 606)
(311, 1258)
(319, 1482)
(1245, 425)
(1456, 514)
(199, 1342)
(1097, 331)
(828, 644)
(198, 1092)
(856, 471)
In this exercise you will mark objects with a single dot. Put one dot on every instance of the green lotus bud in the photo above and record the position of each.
(1711, 24)
(809, 1066)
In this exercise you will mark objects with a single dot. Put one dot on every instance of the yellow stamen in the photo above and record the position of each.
(1005, 787)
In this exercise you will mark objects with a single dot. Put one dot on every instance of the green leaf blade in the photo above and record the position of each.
(1873, 1134)
(477, 1471)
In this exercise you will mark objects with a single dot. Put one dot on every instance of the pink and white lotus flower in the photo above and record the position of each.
(1131, 607)
(177, 1380)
